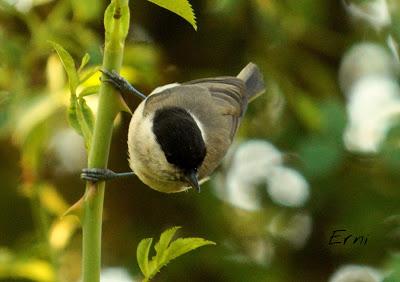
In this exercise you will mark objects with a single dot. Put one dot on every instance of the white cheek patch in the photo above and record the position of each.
(164, 87)
(200, 125)
(151, 155)
(147, 129)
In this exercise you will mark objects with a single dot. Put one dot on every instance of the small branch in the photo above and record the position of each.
(116, 16)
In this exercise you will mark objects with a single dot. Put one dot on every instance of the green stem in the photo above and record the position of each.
(108, 108)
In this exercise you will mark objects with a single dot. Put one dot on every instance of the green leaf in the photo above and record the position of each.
(72, 114)
(184, 245)
(165, 251)
(142, 255)
(180, 7)
(84, 62)
(80, 116)
(69, 66)
(163, 243)
(85, 75)
(90, 90)
(86, 121)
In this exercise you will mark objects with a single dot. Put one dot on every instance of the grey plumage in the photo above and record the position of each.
(253, 79)
(180, 132)
(218, 104)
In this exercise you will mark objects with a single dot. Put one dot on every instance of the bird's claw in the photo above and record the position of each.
(120, 83)
(114, 78)
(97, 174)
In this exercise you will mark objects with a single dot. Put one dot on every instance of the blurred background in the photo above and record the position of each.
(318, 152)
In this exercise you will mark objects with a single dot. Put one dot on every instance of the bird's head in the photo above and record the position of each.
(181, 140)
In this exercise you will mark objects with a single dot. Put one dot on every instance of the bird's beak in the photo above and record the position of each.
(191, 178)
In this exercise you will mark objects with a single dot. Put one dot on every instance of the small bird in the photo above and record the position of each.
(179, 134)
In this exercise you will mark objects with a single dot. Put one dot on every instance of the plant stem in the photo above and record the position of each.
(109, 106)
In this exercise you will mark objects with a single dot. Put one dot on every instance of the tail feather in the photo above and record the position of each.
(253, 79)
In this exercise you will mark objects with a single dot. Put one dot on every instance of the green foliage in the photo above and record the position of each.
(321, 153)
(13, 266)
(320, 156)
(85, 119)
(69, 67)
(90, 90)
(85, 74)
(84, 61)
(394, 276)
(86, 10)
(165, 251)
(179, 7)
(80, 116)
(297, 44)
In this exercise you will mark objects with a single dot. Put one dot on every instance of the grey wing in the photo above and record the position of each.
(226, 95)
(218, 103)
(229, 95)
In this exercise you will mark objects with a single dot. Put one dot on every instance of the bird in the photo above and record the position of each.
(180, 132)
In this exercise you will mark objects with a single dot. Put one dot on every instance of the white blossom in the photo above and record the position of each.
(365, 59)
(373, 104)
(287, 187)
(115, 274)
(256, 164)
(241, 194)
(356, 273)
(373, 12)
(253, 159)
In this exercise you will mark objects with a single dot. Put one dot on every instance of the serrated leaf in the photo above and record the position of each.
(86, 120)
(180, 7)
(165, 251)
(90, 90)
(69, 66)
(184, 245)
(84, 62)
(142, 255)
(163, 243)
